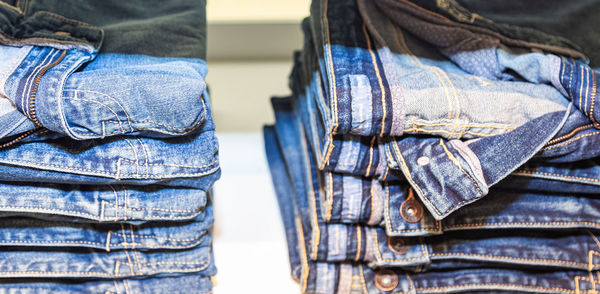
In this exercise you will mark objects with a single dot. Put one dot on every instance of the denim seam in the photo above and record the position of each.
(316, 234)
(329, 200)
(103, 274)
(585, 82)
(553, 223)
(154, 176)
(359, 243)
(500, 126)
(116, 287)
(362, 277)
(103, 121)
(118, 263)
(295, 273)
(15, 8)
(104, 95)
(368, 171)
(593, 97)
(577, 280)
(331, 75)
(370, 220)
(303, 254)
(82, 213)
(125, 207)
(475, 285)
(107, 246)
(551, 261)
(379, 80)
(160, 238)
(146, 156)
(526, 172)
(126, 285)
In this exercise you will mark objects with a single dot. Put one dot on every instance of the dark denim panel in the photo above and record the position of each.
(45, 28)
(156, 28)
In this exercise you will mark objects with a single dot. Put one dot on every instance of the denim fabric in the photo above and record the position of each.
(191, 283)
(114, 94)
(109, 203)
(149, 79)
(90, 263)
(546, 85)
(479, 164)
(339, 242)
(26, 232)
(573, 21)
(155, 28)
(351, 200)
(362, 155)
(132, 160)
(43, 28)
(287, 202)
(319, 277)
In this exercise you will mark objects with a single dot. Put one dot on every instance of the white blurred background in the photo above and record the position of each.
(250, 46)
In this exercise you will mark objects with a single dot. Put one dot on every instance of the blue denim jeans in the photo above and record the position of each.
(324, 277)
(113, 94)
(37, 262)
(130, 160)
(101, 203)
(168, 235)
(476, 147)
(191, 283)
(340, 242)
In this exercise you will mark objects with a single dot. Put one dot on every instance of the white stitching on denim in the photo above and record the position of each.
(130, 121)
(109, 97)
(104, 105)
(94, 172)
(116, 287)
(126, 286)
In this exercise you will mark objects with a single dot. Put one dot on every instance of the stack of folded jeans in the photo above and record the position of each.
(405, 114)
(108, 151)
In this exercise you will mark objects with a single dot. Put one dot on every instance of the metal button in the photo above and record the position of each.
(411, 210)
(397, 245)
(386, 280)
(423, 160)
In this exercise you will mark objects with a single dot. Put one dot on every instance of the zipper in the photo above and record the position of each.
(569, 135)
(23, 136)
(36, 84)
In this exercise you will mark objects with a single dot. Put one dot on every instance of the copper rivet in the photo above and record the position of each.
(397, 245)
(411, 210)
(386, 280)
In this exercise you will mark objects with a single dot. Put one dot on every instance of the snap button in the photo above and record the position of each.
(423, 160)
(386, 280)
(411, 210)
(397, 245)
